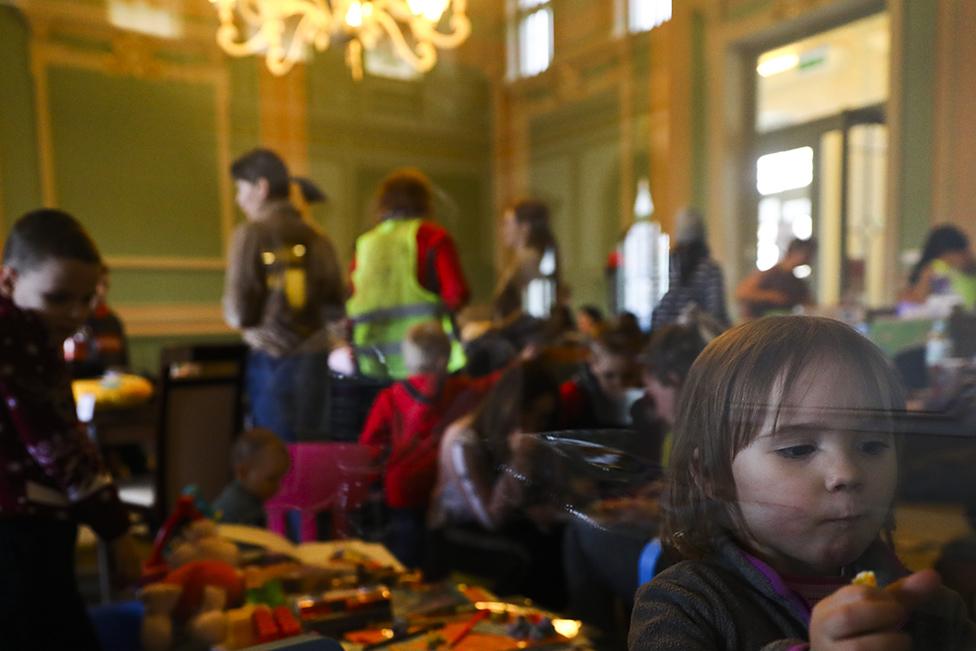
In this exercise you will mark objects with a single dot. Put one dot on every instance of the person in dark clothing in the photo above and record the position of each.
(52, 475)
(777, 288)
(602, 561)
(694, 279)
(781, 487)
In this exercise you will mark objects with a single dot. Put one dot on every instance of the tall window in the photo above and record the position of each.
(530, 37)
(642, 15)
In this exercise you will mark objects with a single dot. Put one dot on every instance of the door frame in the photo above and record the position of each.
(807, 134)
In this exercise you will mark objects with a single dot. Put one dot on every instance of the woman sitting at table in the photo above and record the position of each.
(491, 514)
(946, 268)
(601, 562)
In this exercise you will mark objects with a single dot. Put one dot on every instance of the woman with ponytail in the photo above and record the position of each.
(283, 286)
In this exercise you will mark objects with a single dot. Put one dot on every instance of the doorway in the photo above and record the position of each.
(819, 159)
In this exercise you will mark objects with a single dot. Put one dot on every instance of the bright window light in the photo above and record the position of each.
(535, 40)
(803, 226)
(784, 170)
(774, 63)
(767, 251)
(160, 19)
(644, 15)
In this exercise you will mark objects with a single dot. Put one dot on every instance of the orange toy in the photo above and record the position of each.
(194, 576)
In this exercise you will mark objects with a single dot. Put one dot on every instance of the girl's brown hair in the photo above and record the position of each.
(502, 410)
(740, 381)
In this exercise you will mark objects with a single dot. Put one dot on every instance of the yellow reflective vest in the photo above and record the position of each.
(389, 300)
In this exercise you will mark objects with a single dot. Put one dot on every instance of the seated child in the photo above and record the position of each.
(404, 429)
(597, 397)
(498, 505)
(601, 560)
(260, 460)
(782, 482)
(589, 320)
(664, 366)
(52, 476)
(100, 344)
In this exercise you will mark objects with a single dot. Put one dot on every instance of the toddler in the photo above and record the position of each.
(260, 461)
(782, 482)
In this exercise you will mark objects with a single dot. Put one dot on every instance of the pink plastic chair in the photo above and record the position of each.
(323, 476)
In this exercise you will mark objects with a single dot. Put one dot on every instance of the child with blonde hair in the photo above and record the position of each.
(782, 485)
(404, 429)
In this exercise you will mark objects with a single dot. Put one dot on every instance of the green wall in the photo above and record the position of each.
(914, 179)
(135, 158)
(137, 161)
(20, 185)
(575, 168)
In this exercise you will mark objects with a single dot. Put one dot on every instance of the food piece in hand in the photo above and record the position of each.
(866, 578)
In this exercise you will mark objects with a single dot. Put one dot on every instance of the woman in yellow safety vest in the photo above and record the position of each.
(406, 270)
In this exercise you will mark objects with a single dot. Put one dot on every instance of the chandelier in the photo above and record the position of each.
(285, 30)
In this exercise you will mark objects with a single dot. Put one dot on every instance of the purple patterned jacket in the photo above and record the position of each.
(49, 468)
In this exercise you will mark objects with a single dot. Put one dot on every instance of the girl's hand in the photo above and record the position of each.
(867, 619)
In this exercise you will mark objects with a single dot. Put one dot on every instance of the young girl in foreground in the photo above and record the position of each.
(783, 478)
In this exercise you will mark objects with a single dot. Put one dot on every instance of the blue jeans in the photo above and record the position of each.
(289, 394)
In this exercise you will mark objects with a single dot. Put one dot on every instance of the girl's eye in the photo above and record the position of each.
(874, 448)
(796, 451)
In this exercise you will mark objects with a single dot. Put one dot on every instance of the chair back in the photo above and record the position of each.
(962, 332)
(200, 402)
(323, 476)
(349, 402)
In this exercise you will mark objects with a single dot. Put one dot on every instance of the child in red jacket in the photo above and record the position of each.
(404, 430)
(601, 394)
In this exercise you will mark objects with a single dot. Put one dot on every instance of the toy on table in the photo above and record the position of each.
(259, 624)
(336, 611)
(199, 578)
(492, 626)
(192, 597)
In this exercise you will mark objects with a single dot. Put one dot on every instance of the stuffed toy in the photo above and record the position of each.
(190, 598)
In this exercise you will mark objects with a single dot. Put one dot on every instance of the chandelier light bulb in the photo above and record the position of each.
(285, 31)
(432, 10)
(354, 15)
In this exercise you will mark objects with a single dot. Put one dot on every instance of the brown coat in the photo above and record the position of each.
(283, 283)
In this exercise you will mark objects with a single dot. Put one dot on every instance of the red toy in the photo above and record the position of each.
(192, 577)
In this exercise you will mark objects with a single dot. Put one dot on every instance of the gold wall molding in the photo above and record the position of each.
(128, 54)
(71, 12)
(283, 112)
(172, 319)
(163, 263)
